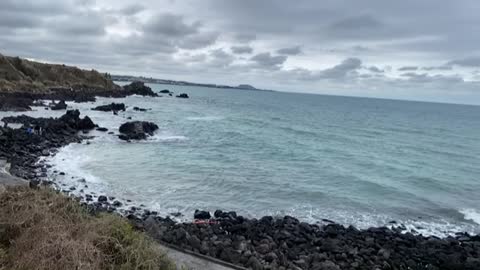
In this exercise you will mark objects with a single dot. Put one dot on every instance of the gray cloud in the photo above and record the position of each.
(199, 40)
(245, 37)
(290, 51)
(193, 41)
(408, 68)
(266, 60)
(375, 69)
(171, 25)
(445, 67)
(343, 69)
(357, 22)
(466, 62)
(132, 9)
(241, 49)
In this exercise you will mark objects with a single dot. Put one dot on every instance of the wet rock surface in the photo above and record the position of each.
(139, 88)
(61, 105)
(287, 243)
(183, 95)
(15, 104)
(137, 130)
(110, 107)
(23, 149)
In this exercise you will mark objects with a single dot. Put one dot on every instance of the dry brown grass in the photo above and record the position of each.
(45, 230)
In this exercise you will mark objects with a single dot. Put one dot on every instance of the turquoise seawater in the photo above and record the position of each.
(356, 161)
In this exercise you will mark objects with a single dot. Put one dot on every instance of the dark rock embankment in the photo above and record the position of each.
(23, 100)
(22, 148)
(287, 243)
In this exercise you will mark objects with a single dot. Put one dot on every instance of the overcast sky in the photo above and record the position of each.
(409, 49)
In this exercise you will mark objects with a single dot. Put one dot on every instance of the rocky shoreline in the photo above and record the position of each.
(265, 243)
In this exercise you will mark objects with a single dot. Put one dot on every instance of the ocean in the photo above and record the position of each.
(356, 161)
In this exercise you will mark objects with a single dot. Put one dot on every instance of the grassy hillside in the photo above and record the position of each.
(40, 229)
(18, 74)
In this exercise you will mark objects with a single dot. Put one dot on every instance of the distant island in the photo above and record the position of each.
(127, 78)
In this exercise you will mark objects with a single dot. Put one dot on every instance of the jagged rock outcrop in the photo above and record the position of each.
(110, 107)
(139, 88)
(137, 130)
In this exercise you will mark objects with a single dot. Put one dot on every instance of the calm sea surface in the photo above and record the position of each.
(352, 160)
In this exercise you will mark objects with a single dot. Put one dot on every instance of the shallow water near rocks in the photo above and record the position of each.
(356, 161)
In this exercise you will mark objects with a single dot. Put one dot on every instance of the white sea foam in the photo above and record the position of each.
(471, 214)
(72, 161)
(205, 118)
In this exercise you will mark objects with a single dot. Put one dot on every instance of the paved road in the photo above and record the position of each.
(6, 179)
(190, 262)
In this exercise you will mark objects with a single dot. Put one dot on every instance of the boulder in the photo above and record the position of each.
(102, 129)
(137, 130)
(139, 88)
(201, 214)
(85, 124)
(110, 107)
(165, 91)
(183, 95)
(59, 106)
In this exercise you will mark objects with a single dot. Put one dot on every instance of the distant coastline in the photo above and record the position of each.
(128, 78)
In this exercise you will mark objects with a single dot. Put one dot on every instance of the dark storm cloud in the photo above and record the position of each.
(241, 49)
(290, 51)
(408, 68)
(267, 60)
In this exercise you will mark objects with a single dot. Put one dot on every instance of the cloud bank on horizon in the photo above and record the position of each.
(422, 50)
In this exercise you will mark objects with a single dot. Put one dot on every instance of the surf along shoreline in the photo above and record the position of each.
(265, 243)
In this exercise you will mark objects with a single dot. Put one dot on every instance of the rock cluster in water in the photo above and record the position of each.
(137, 130)
(115, 107)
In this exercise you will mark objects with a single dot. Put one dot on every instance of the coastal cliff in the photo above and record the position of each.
(21, 75)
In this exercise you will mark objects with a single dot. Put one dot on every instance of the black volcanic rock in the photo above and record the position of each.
(86, 124)
(201, 214)
(139, 88)
(137, 130)
(110, 107)
(165, 91)
(183, 95)
(59, 106)
(15, 104)
(139, 109)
